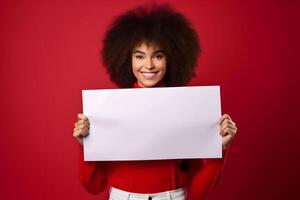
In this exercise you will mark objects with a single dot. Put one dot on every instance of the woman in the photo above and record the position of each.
(149, 48)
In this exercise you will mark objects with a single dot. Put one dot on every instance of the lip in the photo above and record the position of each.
(149, 75)
(149, 72)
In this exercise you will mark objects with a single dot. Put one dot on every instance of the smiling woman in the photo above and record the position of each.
(149, 64)
(150, 48)
(160, 28)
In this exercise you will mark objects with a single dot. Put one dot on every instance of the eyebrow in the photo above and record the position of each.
(155, 52)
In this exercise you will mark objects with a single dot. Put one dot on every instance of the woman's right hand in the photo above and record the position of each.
(81, 128)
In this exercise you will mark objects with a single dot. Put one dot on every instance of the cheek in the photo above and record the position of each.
(134, 66)
(163, 65)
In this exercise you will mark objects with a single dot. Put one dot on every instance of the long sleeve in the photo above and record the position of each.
(204, 175)
(92, 175)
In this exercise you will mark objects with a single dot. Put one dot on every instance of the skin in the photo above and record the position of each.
(151, 58)
(149, 64)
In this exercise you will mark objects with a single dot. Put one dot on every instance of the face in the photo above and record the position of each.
(149, 64)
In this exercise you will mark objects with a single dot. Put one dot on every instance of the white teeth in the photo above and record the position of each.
(148, 75)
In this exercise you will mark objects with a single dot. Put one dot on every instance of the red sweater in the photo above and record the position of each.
(197, 176)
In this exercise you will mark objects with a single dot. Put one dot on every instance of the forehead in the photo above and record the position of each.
(147, 45)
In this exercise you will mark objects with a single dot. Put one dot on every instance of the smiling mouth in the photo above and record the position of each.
(149, 75)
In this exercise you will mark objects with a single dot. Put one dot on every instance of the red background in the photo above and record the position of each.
(50, 52)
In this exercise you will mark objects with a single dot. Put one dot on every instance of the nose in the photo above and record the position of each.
(149, 64)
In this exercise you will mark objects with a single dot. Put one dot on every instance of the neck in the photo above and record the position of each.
(138, 85)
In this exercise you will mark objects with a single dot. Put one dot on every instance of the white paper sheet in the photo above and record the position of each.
(153, 123)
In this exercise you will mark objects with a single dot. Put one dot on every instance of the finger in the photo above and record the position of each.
(224, 131)
(77, 128)
(226, 140)
(77, 124)
(77, 133)
(232, 131)
(228, 131)
(226, 127)
(84, 121)
(227, 121)
(225, 116)
(81, 121)
(80, 132)
(81, 116)
(85, 132)
(83, 125)
(80, 127)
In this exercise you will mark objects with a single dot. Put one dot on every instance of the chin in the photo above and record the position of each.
(148, 83)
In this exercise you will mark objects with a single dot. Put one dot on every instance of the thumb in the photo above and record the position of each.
(81, 116)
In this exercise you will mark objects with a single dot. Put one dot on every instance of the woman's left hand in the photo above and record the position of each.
(228, 130)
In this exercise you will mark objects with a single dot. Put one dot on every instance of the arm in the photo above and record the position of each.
(204, 175)
(92, 175)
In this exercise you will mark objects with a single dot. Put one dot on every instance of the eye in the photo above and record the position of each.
(159, 56)
(139, 57)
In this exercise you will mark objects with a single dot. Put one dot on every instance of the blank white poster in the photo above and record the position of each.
(153, 123)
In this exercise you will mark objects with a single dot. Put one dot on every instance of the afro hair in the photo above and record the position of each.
(159, 24)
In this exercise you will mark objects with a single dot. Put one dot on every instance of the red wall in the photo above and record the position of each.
(50, 52)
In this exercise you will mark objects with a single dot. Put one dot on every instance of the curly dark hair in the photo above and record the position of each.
(159, 24)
